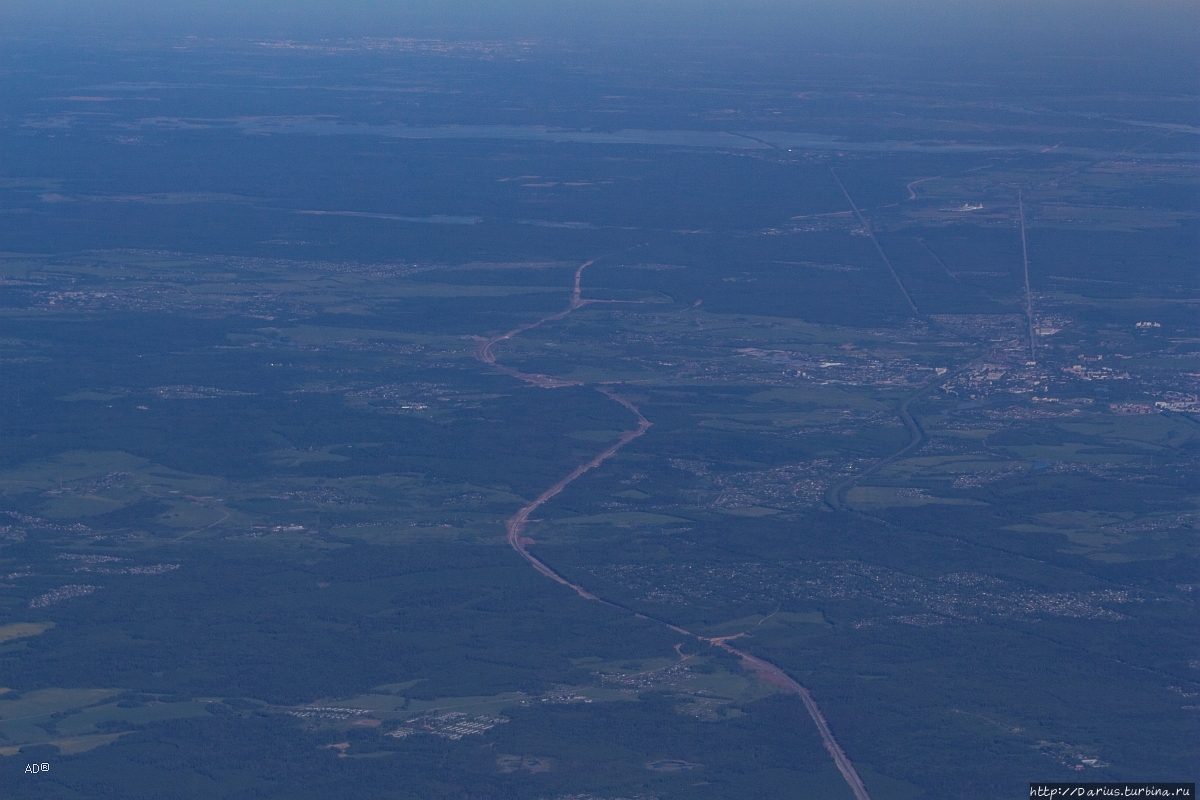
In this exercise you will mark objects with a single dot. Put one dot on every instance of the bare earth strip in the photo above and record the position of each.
(763, 670)
(484, 351)
(516, 523)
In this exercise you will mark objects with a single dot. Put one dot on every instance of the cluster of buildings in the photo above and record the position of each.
(451, 725)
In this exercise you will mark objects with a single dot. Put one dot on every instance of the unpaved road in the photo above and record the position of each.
(516, 523)
(484, 351)
(515, 526)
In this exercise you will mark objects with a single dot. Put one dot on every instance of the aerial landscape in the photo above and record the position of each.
(621, 405)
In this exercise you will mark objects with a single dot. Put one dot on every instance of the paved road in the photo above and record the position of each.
(878, 249)
(1028, 296)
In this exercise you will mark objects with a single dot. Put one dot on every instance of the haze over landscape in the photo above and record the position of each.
(602, 401)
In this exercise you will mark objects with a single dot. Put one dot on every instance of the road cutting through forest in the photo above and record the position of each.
(515, 528)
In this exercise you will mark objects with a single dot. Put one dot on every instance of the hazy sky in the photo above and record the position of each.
(1143, 45)
(1059, 21)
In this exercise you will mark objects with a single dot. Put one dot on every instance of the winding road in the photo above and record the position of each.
(515, 527)
(516, 523)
